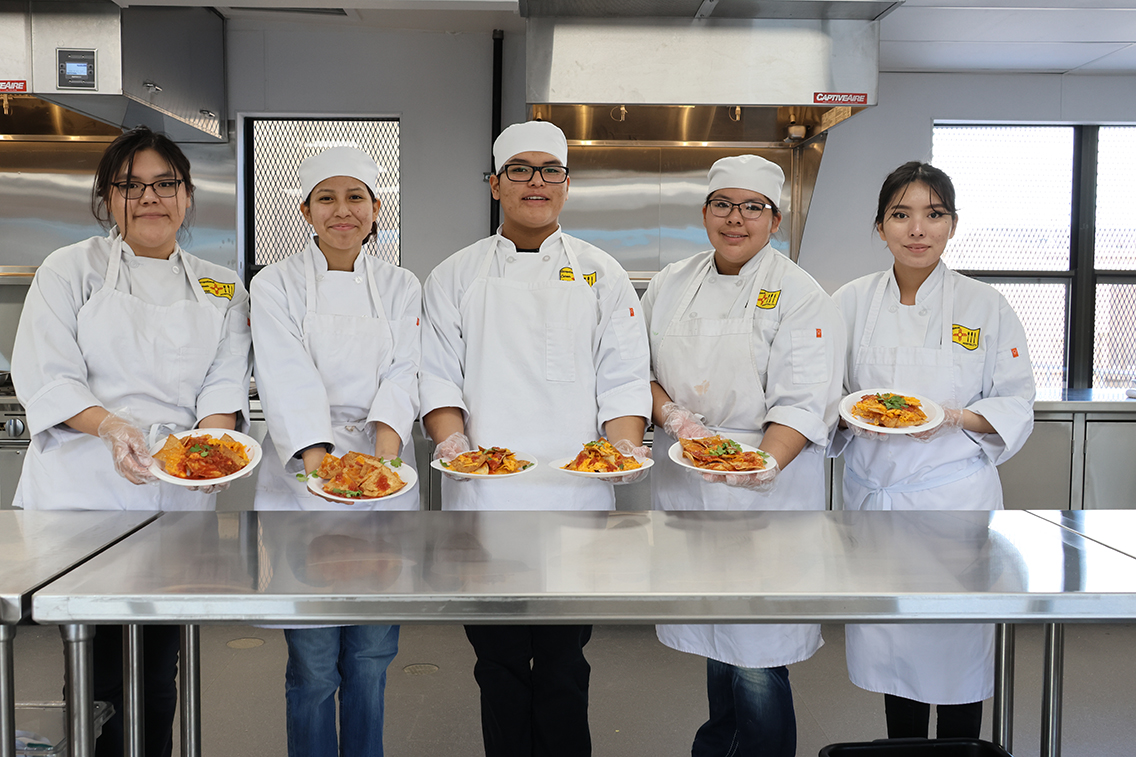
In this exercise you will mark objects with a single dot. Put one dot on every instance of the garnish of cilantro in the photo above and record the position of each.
(727, 447)
(892, 401)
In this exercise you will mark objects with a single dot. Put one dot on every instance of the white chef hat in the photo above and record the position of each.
(338, 161)
(530, 136)
(748, 172)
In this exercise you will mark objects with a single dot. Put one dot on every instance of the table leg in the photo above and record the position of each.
(1003, 729)
(7, 692)
(77, 642)
(191, 691)
(132, 723)
(1051, 690)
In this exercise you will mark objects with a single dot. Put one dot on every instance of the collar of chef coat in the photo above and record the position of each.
(321, 260)
(927, 289)
(174, 258)
(504, 244)
(751, 264)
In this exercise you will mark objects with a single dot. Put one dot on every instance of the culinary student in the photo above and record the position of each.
(535, 342)
(336, 338)
(919, 327)
(124, 339)
(747, 345)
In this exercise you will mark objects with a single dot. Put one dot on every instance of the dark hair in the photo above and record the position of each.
(374, 224)
(121, 154)
(772, 204)
(909, 173)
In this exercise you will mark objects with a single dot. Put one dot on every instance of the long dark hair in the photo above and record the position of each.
(909, 173)
(121, 154)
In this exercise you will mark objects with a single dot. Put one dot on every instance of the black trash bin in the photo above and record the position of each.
(916, 748)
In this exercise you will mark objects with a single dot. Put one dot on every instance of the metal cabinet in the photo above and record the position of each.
(1110, 465)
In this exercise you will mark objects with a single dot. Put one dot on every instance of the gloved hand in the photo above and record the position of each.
(761, 481)
(211, 488)
(867, 434)
(127, 446)
(680, 423)
(641, 454)
(952, 421)
(449, 448)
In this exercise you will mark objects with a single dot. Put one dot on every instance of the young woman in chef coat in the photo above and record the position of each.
(744, 344)
(124, 339)
(535, 341)
(919, 327)
(336, 338)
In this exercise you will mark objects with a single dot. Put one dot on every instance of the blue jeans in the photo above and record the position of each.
(751, 713)
(352, 659)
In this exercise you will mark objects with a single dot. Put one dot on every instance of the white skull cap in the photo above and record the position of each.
(530, 136)
(338, 161)
(748, 172)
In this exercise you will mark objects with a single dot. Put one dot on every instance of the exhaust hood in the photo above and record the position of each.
(651, 92)
(158, 66)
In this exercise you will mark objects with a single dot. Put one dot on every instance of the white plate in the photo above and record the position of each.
(405, 472)
(559, 465)
(252, 449)
(675, 454)
(933, 410)
(437, 465)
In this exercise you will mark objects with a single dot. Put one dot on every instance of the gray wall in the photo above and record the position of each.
(438, 83)
(839, 242)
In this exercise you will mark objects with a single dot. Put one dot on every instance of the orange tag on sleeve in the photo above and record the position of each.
(1014, 352)
(818, 334)
(632, 312)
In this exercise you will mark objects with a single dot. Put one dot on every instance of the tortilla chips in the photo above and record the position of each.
(494, 461)
(717, 453)
(601, 457)
(359, 476)
(889, 410)
(199, 458)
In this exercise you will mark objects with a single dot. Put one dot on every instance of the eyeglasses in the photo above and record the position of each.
(521, 172)
(749, 209)
(133, 190)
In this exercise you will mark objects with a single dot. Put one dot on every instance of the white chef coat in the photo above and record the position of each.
(166, 341)
(327, 370)
(961, 345)
(538, 350)
(765, 346)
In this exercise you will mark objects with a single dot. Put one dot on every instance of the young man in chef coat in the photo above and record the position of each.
(534, 341)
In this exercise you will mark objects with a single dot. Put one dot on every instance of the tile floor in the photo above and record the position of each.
(646, 700)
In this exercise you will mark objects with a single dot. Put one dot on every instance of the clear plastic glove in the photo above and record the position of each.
(869, 435)
(127, 445)
(761, 481)
(211, 488)
(449, 448)
(952, 421)
(680, 423)
(641, 454)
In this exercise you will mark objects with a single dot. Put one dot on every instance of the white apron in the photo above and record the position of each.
(530, 385)
(935, 663)
(151, 360)
(687, 348)
(351, 376)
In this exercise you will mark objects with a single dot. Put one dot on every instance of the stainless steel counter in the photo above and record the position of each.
(36, 547)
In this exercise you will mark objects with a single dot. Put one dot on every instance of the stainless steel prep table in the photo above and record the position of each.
(461, 567)
(36, 547)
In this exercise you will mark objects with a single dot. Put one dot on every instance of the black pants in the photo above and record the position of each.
(907, 718)
(160, 648)
(534, 689)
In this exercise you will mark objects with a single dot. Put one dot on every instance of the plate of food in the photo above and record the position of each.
(357, 478)
(887, 412)
(204, 456)
(599, 459)
(717, 454)
(487, 462)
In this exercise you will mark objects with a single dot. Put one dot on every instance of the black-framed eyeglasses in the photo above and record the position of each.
(522, 172)
(749, 209)
(133, 190)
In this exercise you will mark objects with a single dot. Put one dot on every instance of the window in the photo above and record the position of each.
(274, 149)
(1045, 217)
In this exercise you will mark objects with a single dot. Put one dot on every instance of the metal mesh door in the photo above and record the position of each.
(1115, 244)
(1042, 308)
(276, 149)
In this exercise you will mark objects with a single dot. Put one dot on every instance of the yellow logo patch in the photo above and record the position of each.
(768, 300)
(567, 275)
(964, 337)
(218, 288)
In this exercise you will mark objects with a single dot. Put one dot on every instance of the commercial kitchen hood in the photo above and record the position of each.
(650, 93)
(159, 66)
